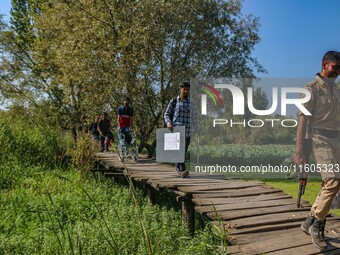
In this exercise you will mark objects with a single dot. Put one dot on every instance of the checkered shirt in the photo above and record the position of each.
(182, 114)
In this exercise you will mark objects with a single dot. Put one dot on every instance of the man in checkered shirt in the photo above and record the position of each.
(181, 111)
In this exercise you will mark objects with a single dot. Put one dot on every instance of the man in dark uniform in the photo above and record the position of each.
(324, 122)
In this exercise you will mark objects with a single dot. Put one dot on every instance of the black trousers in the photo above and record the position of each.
(104, 141)
(181, 166)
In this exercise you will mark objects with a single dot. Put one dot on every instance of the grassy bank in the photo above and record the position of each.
(55, 212)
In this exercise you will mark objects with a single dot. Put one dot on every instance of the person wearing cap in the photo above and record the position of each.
(181, 111)
(125, 113)
(324, 123)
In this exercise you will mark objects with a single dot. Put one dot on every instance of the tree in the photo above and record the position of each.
(87, 54)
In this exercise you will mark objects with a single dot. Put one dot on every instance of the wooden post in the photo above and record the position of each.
(188, 213)
(152, 194)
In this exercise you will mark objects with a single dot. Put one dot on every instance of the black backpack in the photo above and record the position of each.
(173, 106)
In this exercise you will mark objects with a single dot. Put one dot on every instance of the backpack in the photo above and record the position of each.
(173, 106)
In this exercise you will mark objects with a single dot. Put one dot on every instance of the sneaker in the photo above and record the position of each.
(184, 174)
(306, 224)
(317, 233)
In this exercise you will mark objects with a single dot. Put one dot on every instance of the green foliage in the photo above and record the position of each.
(77, 58)
(55, 212)
(83, 153)
(28, 145)
(23, 144)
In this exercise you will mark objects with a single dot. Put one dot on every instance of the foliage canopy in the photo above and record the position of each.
(74, 59)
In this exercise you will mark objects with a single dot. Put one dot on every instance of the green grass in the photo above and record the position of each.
(49, 204)
(56, 212)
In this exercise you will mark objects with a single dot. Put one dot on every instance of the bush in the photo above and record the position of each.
(24, 147)
(83, 154)
(28, 145)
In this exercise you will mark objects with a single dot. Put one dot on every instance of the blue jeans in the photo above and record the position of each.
(123, 130)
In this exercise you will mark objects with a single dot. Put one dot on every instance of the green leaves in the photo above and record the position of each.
(83, 56)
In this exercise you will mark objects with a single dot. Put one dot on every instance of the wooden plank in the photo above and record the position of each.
(238, 214)
(235, 249)
(309, 248)
(260, 229)
(264, 236)
(268, 246)
(148, 163)
(249, 238)
(179, 182)
(256, 221)
(191, 181)
(150, 174)
(219, 186)
(262, 197)
(251, 205)
(155, 175)
(149, 168)
(263, 233)
(205, 176)
(179, 193)
(252, 191)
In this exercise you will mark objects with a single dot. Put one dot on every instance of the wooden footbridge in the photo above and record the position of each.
(258, 219)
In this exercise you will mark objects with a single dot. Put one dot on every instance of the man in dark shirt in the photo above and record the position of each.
(104, 132)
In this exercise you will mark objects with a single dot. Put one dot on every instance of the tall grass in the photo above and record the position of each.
(54, 215)
(25, 146)
(47, 210)
(82, 154)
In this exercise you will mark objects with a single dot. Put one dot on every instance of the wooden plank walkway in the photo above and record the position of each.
(258, 218)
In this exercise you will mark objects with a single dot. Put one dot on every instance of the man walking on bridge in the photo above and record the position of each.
(181, 111)
(324, 122)
(105, 134)
(125, 113)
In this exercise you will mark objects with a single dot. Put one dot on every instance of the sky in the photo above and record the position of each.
(294, 34)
